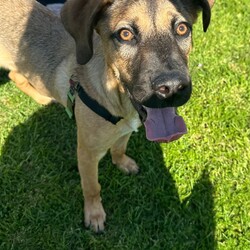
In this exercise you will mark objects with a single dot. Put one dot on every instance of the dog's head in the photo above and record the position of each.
(146, 43)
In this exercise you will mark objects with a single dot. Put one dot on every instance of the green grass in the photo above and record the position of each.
(190, 194)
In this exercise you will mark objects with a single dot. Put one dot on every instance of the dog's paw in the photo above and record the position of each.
(127, 165)
(94, 215)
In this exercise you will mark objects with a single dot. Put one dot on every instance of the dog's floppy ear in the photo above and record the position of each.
(195, 6)
(206, 6)
(79, 18)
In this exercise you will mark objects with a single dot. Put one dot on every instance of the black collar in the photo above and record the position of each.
(88, 101)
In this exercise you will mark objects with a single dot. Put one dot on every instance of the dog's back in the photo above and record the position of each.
(32, 40)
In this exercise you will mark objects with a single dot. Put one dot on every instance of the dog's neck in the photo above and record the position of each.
(101, 81)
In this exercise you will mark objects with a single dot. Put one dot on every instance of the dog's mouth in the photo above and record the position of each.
(157, 102)
(161, 124)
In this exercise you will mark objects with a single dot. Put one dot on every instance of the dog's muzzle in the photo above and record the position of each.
(157, 110)
(171, 89)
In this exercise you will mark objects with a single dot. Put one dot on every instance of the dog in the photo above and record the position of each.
(127, 58)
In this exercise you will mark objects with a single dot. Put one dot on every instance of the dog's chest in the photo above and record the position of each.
(129, 124)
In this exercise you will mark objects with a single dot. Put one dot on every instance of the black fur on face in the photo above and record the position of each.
(148, 44)
(162, 65)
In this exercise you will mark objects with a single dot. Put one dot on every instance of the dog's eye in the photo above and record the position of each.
(182, 29)
(126, 35)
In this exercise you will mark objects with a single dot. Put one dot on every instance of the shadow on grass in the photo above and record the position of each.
(41, 201)
(3, 76)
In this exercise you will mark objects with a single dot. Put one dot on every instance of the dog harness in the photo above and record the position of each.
(74, 88)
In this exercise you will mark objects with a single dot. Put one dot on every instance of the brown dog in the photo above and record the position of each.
(132, 62)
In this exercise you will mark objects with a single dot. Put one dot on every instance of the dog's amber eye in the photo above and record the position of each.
(126, 35)
(182, 29)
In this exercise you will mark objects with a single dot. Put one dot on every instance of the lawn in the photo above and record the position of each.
(190, 194)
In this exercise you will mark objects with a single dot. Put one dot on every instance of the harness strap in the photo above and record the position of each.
(90, 102)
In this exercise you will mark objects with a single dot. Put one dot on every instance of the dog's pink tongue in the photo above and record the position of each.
(163, 125)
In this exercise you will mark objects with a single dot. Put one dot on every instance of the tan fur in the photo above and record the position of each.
(163, 21)
(41, 56)
(144, 21)
(23, 84)
(6, 58)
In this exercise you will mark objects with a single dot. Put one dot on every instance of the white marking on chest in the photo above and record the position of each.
(129, 124)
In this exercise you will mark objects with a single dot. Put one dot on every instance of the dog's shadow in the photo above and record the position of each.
(41, 190)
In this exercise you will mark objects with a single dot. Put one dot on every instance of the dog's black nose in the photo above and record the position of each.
(171, 84)
(169, 89)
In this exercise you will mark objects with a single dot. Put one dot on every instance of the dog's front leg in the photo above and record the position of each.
(119, 157)
(94, 213)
